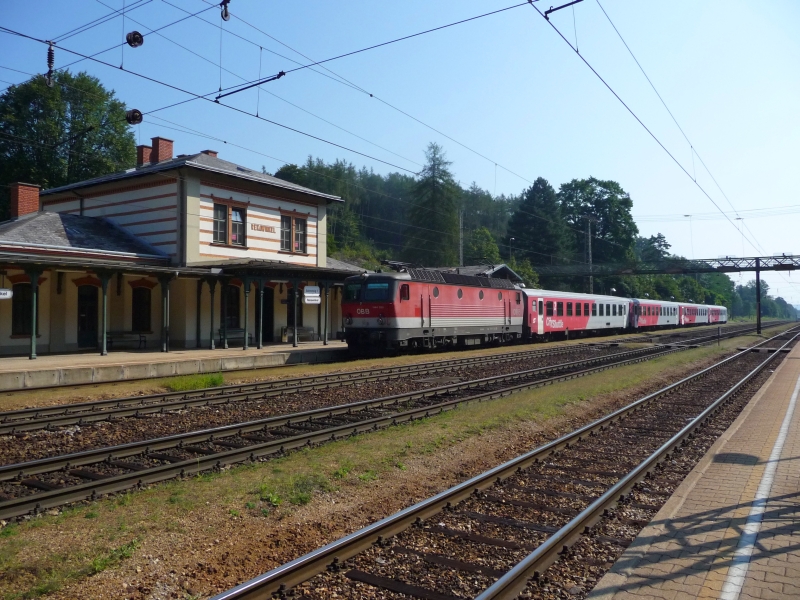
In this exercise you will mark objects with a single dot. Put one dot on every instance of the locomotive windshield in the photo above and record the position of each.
(369, 291)
(352, 292)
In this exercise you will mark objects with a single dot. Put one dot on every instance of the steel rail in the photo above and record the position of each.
(44, 465)
(302, 569)
(28, 419)
(31, 419)
(140, 477)
(515, 580)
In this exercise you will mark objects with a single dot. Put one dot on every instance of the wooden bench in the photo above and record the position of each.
(126, 336)
(304, 334)
(235, 333)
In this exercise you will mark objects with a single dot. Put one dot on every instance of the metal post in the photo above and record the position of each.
(104, 333)
(212, 287)
(199, 305)
(295, 285)
(719, 334)
(327, 301)
(260, 336)
(34, 275)
(246, 310)
(224, 323)
(164, 281)
(589, 252)
(758, 296)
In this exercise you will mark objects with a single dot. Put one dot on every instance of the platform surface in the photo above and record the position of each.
(19, 372)
(732, 528)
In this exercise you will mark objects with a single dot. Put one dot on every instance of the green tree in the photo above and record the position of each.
(537, 230)
(524, 269)
(73, 131)
(609, 207)
(432, 230)
(481, 248)
(652, 249)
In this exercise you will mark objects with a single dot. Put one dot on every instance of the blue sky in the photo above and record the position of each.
(506, 86)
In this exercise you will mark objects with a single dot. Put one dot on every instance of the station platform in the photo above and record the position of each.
(732, 528)
(19, 372)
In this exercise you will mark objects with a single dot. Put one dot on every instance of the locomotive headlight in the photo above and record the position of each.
(380, 320)
(349, 320)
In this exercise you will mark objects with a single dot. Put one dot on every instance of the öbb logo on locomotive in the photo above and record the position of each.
(427, 308)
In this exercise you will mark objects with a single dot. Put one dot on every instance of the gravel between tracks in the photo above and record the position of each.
(43, 443)
(526, 502)
(211, 551)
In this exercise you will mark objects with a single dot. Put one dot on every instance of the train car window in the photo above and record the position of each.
(352, 292)
(519, 298)
(436, 292)
(569, 309)
(601, 310)
(614, 309)
(577, 309)
(594, 309)
(540, 307)
(405, 294)
(559, 309)
(376, 291)
(586, 308)
(500, 296)
(549, 309)
(480, 294)
(460, 294)
(608, 310)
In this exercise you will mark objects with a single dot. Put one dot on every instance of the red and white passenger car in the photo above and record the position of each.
(425, 308)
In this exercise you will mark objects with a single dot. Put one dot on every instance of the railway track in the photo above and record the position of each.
(48, 482)
(30, 419)
(494, 535)
(675, 335)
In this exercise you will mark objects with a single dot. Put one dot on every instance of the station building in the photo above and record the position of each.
(187, 251)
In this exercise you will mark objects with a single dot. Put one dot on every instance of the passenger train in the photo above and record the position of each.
(426, 308)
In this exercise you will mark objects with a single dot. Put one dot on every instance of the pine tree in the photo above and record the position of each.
(432, 230)
(537, 231)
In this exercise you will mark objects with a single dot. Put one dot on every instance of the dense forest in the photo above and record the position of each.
(432, 220)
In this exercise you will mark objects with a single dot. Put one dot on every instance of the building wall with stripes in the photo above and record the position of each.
(149, 210)
(262, 225)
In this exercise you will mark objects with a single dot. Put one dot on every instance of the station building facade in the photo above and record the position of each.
(187, 251)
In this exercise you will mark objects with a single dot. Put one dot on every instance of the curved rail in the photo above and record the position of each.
(330, 556)
(198, 451)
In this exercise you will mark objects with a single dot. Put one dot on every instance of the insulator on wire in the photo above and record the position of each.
(134, 39)
(226, 15)
(133, 116)
(51, 60)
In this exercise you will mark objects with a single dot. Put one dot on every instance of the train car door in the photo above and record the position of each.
(540, 320)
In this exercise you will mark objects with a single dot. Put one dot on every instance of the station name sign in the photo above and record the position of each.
(311, 295)
(264, 228)
(6, 294)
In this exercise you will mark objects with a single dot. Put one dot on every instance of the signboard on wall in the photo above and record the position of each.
(311, 290)
(6, 294)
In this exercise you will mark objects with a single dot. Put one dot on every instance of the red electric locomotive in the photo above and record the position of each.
(423, 308)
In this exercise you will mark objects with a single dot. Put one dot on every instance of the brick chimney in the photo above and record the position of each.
(143, 154)
(24, 199)
(211, 153)
(162, 150)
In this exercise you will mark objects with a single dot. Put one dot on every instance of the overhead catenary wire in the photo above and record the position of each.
(635, 116)
(200, 56)
(349, 83)
(245, 86)
(205, 97)
(100, 20)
